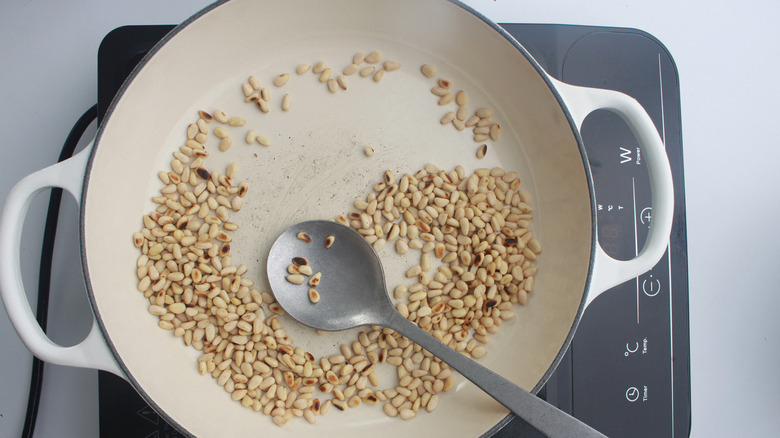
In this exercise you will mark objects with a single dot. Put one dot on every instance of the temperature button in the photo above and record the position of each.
(631, 348)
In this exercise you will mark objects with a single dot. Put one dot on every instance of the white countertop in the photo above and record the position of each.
(726, 55)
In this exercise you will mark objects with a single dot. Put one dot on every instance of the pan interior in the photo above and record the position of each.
(316, 168)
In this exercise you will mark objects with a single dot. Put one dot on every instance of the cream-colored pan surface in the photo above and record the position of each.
(316, 168)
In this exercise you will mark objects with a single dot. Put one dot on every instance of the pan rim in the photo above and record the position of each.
(172, 34)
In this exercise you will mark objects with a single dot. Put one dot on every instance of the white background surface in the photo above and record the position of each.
(727, 57)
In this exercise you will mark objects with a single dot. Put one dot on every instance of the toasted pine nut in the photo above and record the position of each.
(495, 131)
(482, 151)
(314, 281)
(342, 81)
(329, 241)
(282, 80)
(220, 116)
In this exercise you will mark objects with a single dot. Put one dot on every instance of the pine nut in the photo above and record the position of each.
(295, 278)
(333, 86)
(282, 80)
(448, 118)
(438, 91)
(286, 102)
(428, 70)
(462, 114)
(329, 241)
(482, 151)
(225, 144)
(461, 98)
(407, 414)
(220, 132)
(351, 70)
(373, 57)
(314, 281)
(303, 68)
(236, 121)
(220, 116)
(342, 81)
(325, 75)
(401, 247)
(447, 98)
(263, 140)
(246, 88)
(484, 113)
(251, 136)
(367, 71)
(495, 132)
(231, 170)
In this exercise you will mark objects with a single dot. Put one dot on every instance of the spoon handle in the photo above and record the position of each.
(544, 417)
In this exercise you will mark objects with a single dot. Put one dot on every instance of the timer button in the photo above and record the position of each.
(632, 394)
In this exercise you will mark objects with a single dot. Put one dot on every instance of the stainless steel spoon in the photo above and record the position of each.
(353, 293)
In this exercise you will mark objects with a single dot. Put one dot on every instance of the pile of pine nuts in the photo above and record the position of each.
(475, 228)
(481, 121)
(475, 259)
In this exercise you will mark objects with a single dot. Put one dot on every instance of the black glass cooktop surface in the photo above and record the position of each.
(627, 371)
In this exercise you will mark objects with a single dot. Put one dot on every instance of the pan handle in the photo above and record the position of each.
(93, 351)
(607, 271)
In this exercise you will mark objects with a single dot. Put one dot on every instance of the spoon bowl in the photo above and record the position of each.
(352, 292)
(349, 264)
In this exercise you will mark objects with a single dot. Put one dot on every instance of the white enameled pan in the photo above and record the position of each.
(314, 169)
